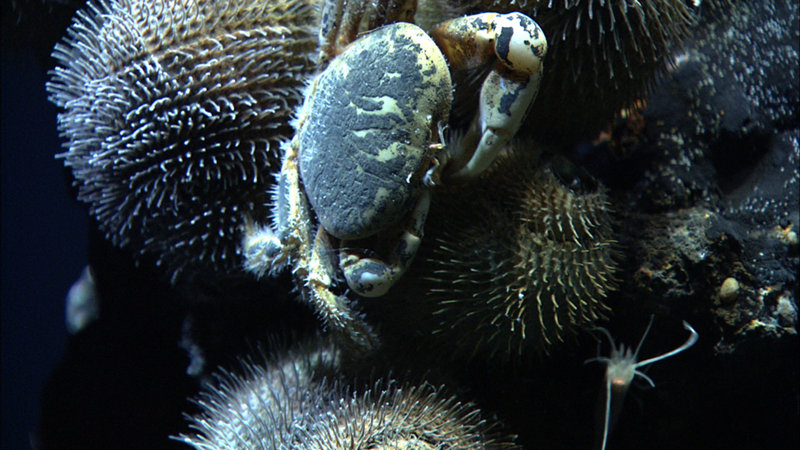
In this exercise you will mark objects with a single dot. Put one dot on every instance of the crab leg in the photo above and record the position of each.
(272, 248)
(338, 26)
(372, 277)
(515, 46)
(391, 11)
(329, 25)
(335, 310)
(340, 20)
(269, 249)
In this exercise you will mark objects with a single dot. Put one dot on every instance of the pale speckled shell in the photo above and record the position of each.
(366, 126)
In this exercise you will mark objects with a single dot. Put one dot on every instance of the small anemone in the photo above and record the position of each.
(621, 368)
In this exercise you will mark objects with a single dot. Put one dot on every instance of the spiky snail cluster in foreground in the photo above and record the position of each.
(602, 53)
(173, 112)
(509, 269)
(296, 401)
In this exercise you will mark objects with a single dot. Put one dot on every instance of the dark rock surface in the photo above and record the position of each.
(714, 185)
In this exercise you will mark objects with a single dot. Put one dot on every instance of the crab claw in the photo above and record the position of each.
(372, 277)
(517, 45)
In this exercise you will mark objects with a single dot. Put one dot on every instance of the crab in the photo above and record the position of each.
(369, 147)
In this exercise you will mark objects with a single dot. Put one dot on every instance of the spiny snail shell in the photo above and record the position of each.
(173, 112)
(509, 269)
(295, 401)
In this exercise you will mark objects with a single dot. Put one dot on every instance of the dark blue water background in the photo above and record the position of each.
(43, 244)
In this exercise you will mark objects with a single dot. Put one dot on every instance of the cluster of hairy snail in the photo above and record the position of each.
(173, 113)
(511, 271)
(299, 399)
